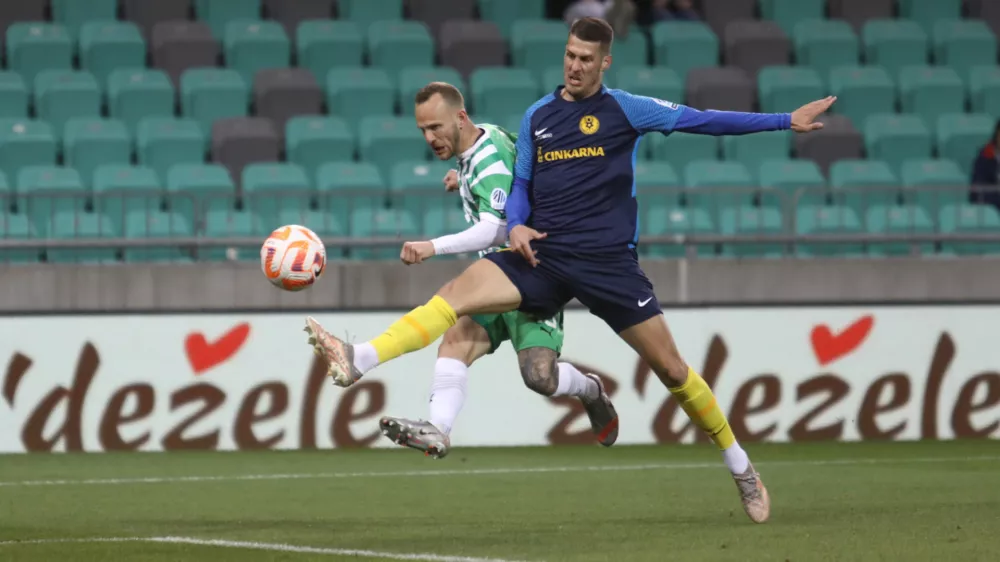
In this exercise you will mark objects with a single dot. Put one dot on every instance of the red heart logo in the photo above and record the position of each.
(829, 347)
(203, 355)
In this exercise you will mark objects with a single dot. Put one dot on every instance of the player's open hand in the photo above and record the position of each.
(520, 242)
(804, 118)
(451, 180)
(416, 252)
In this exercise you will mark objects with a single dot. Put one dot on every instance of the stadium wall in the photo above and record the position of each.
(249, 381)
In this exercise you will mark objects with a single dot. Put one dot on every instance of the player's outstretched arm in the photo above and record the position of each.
(490, 231)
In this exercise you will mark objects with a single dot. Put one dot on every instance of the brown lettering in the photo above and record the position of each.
(898, 386)
(32, 435)
(340, 430)
(715, 358)
(114, 417)
(243, 433)
(16, 369)
(836, 390)
(310, 402)
(211, 397)
(771, 387)
(961, 416)
(560, 434)
(944, 352)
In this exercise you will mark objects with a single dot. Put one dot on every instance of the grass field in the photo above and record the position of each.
(844, 502)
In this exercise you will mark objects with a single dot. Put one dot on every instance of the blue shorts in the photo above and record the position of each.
(612, 286)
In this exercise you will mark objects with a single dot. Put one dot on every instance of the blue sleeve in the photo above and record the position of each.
(648, 115)
(518, 203)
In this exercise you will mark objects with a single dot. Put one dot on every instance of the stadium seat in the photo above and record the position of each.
(315, 40)
(383, 141)
(781, 89)
(345, 187)
(281, 94)
(825, 44)
(106, 46)
(164, 142)
(252, 46)
(292, 14)
(859, 12)
(415, 185)
(794, 182)
(839, 139)
(990, 13)
(724, 89)
(747, 220)
(194, 189)
(122, 189)
(894, 139)
(147, 14)
(412, 79)
(157, 224)
(503, 91)
(655, 175)
(218, 14)
(933, 184)
(503, 13)
(382, 223)
(931, 91)
(434, 13)
(466, 45)
(137, 94)
(964, 45)
(899, 219)
(179, 46)
(61, 95)
(43, 191)
(67, 224)
(356, 93)
(271, 187)
(27, 11)
(828, 220)
(396, 45)
(714, 186)
(18, 227)
(632, 50)
(653, 81)
(684, 46)
(25, 142)
(311, 141)
(94, 142)
(678, 149)
(969, 218)
(667, 221)
(927, 12)
(36, 47)
(720, 13)
(752, 45)
(751, 150)
(862, 92)
(984, 90)
(535, 44)
(960, 137)
(895, 44)
(551, 78)
(227, 223)
(13, 96)
(210, 94)
(240, 141)
(790, 13)
(366, 12)
(441, 221)
(859, 184)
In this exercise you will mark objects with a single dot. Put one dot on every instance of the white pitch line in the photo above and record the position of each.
(273, 547)
(476, 472)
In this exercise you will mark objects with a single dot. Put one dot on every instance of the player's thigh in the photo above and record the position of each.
(538, 342)
(471, 338)
(483, 288)
(654, 343)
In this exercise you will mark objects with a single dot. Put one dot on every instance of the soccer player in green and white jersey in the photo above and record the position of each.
(485, 155)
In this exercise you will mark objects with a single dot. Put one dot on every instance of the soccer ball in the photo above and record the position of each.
(293, 257)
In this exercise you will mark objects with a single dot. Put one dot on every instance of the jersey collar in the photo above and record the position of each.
(484, 134)
(600, 93)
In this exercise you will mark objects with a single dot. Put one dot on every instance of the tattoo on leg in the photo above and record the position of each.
(539, 370)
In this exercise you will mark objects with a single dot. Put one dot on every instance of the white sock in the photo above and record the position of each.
(574, 383)
(736, 459)
(365, 357)
(447, 393)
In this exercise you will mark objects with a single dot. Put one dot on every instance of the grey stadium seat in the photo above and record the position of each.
(147, 13)
(720, 13)
(468, 44)
(180, 45)
(291, 14)
(282, 93)
(752, 45)
(857, 12)
(723, 88)
(435, 12)
(837, 140)
(239, 141)
(20, 11)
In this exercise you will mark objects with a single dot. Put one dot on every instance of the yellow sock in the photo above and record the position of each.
(416, 330)
(699, 403)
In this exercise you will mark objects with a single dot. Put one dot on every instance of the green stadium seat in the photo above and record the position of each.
(13, 96)
(107, 46)
(552, 77)
(367, 12)
(984, 90)
(61, 95)
(122, 189)
(862, 92)
(164, 142)
(928, 12)
(794, 181)
(751, 150)
(931, 91)
(269, 188)
(895, 138)
(961, 136)
(157, 224)
(75, 15)
(324, 224)
(964, 45)
(227, 223)
(783, 88)
(311, 141)
(210, 94)
(18, 227)
(251, 46)
(194, 189)
(503, 91)
(667, 221)
(629, 51)
(382, 223)
(684, 45)
(899, 219)
(932, 184)
(136, 94)
(441, 221)
(416, 186)
(316, 39)
(412, 79)
(6, 195)
(828, 220)
(653, 81)
(94, 142)
(825, 44)
(860, 184)
(396, 45)
(895, 44)
(220, 13)
(26, 142)
(714, 186)
(969, 218)
(747, 220)
(33, 47)
(346, 187)
(536, 43)
(68, 225)
(356, 93)
(657, 184)
(384, 141)
(789, 13)
(44, 191)
(505, 12)
(677, 149)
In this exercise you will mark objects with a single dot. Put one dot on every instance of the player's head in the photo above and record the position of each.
(588, 55)
(441, 117)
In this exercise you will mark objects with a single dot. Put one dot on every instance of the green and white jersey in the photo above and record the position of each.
(485, 174)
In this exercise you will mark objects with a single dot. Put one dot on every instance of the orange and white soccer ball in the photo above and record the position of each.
(293, 257)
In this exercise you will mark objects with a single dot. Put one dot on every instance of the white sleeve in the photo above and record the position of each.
(488, 232)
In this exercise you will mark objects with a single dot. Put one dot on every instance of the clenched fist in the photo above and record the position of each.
(451, 180)
(416, 252)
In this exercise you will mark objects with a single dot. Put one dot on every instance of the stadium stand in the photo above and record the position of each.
(217, 118)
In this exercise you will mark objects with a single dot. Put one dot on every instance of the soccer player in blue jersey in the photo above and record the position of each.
(572, 222)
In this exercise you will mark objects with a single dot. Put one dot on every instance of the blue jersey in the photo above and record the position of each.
(575, 167)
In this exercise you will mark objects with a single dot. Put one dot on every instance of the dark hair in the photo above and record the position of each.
(447, 91)
(593, 30)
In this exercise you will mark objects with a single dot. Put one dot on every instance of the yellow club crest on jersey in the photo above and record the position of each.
(589, 125)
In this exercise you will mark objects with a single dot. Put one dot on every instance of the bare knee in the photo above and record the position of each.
(669, 366)
(466, 341)
(539, 370)
(482, 288)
